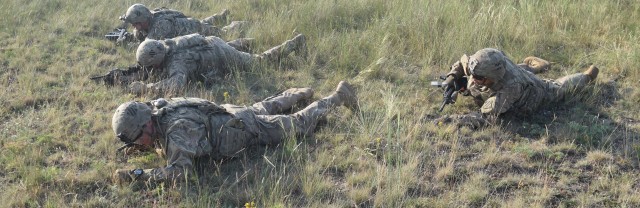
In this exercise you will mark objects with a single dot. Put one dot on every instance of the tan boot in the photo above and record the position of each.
(347, 95)
(218, 18)
(298, 44)
(536, 64)
(592, 72)
(236, 28)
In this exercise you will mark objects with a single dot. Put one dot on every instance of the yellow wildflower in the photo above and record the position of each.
(226, 95)
(250, 205)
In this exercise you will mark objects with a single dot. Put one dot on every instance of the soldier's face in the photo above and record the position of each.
(141, 25)
(146, 138)
(479, 80)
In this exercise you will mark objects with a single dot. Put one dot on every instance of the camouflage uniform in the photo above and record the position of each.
(192, 127)
(166, 23)
(516, 88)
(195, 57)
(170, 24)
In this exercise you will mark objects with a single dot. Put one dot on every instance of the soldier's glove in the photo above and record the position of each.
(127, 37)
(472, 120)
(449, 82)
(125, 176)
(442, 120)
(137, 87)
(136, 150)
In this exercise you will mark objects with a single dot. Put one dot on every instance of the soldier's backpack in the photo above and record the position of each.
(164, 106)
(226, 133)
(163, 12)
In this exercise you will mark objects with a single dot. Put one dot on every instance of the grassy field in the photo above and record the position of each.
(57, 148)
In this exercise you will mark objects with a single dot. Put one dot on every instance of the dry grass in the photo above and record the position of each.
(57, 147)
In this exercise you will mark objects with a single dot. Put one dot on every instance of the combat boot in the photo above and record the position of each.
(218, 18)
(592, 72)
(536, 65)
(236, 28)
(298, 44)
(347, 95)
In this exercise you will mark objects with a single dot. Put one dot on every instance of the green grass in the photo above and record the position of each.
(57, 148)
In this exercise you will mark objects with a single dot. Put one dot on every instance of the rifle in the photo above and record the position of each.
(449, 95)
(118, 34)
(123, 76)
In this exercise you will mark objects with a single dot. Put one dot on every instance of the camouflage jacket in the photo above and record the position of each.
(189, 128)
(167, 23)
(518, 91)
(195, 57)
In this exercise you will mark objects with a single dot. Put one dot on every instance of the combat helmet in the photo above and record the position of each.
(137, 13)
(151, 53)
(129, 120)
(489, 63)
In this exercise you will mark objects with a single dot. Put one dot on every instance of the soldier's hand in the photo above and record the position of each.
(136, 150)
(122, 176)
(442, 120)
(448, 82)
(127, 37)
(472, 120)
(137, 87)
(121, 40)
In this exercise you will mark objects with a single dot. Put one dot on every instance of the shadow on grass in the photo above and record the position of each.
(581, 121)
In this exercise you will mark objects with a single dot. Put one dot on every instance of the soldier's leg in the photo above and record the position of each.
(210, 30)
(242, 44)
(535, 65)
(274, 128)
(571, 83)
(283, 101)
(298, 44)
(218, 18)
(236, 28)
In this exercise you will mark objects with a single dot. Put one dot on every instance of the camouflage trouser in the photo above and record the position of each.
(275, 128)
(568, 85)
(260, 124)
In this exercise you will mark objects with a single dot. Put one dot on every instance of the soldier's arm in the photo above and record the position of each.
(138, 35)
(178, 73)
(184, 140)
(457, 70)
(503, 100)
(161, 30)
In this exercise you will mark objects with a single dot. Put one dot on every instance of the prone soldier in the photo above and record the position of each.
(162, 23)
(499, 86)
(194, 56)
(189, 128)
